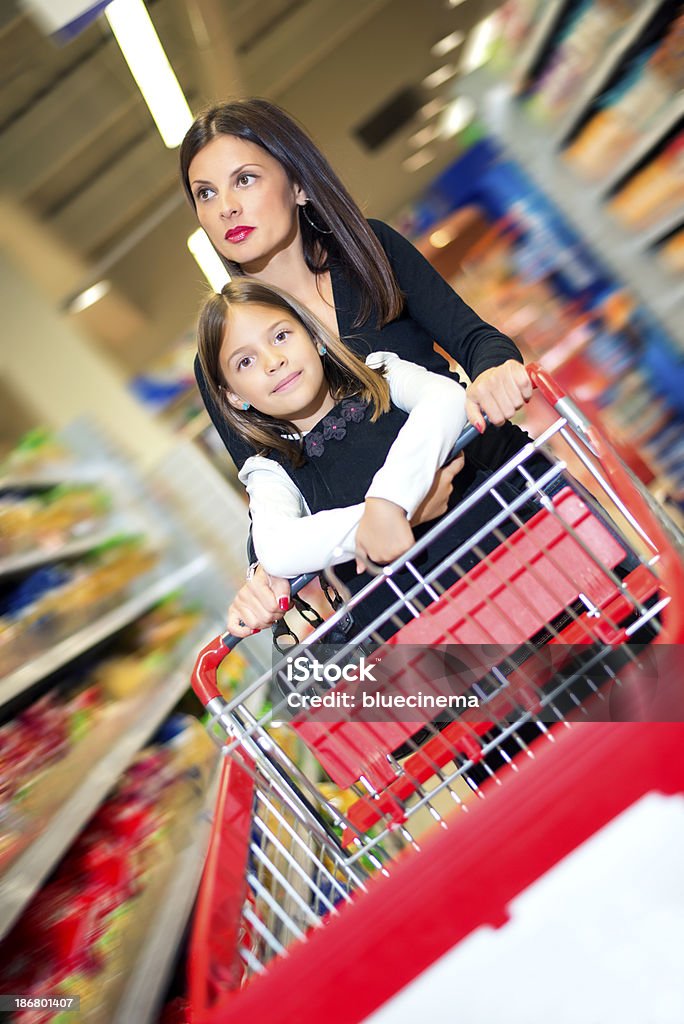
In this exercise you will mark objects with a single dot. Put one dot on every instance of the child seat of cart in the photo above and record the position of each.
(564, 578)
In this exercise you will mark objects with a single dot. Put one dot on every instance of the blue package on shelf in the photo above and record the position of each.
(664, 367)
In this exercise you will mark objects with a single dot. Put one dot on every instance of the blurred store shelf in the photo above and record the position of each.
(127, 728)
(146, 985)
(12, 565)
(68, 649)
(611, 62)
(534, 150)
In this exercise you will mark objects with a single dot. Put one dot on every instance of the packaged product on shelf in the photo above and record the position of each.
(38, 451)
(671, 252)
(82, 932)
(655, 191)
(629, 110)
(50, 519)
(55, 601)
(583, 41)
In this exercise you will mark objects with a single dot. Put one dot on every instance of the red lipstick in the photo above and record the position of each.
(238, 234)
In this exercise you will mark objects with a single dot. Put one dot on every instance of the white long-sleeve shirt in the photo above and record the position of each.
(289, 539)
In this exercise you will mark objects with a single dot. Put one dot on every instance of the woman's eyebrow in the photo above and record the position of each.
(243, 167)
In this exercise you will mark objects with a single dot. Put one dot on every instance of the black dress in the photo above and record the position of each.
(343, 453)
(433, 312)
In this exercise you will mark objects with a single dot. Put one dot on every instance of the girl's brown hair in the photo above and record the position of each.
(342, 233)
(345, 373)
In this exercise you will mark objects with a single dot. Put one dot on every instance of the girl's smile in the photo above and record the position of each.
(269, 360)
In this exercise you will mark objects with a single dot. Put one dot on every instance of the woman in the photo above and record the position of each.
(276, 211)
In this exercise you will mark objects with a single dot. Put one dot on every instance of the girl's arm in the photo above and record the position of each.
(288, 540)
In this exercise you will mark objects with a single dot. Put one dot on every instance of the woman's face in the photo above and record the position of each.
(245, 201)
(268, 359)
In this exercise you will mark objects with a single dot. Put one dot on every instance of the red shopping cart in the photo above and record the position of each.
(335, 879)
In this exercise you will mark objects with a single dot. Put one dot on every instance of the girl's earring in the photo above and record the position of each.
(245, 406)
(322, 350)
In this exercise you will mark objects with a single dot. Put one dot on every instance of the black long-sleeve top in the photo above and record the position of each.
(433, 312)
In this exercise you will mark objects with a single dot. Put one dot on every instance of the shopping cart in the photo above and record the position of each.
(334, 879)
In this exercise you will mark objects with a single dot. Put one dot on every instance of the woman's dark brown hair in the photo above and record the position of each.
(346, 233)
(345, 373)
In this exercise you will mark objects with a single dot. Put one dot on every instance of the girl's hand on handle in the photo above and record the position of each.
(436, 501)
(259, 602)
(498, 393)
(383, 534)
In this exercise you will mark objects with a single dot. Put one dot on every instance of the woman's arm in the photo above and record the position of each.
(435, 305)
(500, 385)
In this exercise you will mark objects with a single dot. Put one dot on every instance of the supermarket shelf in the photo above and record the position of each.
(530, 146)
(596, 81)
(68, 649)
(146, 986)
(46, 481)
(142, 717)
(662, 228)
(14, 564)
(539, 36)
(665, 124)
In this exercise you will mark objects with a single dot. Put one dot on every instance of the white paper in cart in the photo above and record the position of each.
(596, 939)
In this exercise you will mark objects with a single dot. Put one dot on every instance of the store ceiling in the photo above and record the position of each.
(88, 190)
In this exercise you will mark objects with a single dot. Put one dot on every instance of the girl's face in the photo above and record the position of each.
(245, 201)
(269, 360)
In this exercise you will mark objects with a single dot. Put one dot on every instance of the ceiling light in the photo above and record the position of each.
(476, 51)
(454, 3)
(439, 76)
(418, 160)
(425, 135)
(447, 44)
(441, 238)
(457, 116)
(88, 297)
(432, 108)
(144, 54)
(208, 260)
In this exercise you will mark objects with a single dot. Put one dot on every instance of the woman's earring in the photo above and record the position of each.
(316, 227)
(245, 406)
(322, 350)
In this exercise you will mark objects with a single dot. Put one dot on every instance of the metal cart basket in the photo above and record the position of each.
(517, 682)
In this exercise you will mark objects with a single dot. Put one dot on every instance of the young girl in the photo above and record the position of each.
(347, 451)
(276, 212)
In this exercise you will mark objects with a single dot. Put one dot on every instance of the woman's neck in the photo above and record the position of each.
(287, 270)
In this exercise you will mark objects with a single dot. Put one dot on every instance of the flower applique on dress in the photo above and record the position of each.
(334, 428)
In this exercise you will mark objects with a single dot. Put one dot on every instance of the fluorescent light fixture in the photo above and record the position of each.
(208, 260)
(144, 54)
(425, 135)
(419, 159)
(476, 51)
(441, 238)
(88, 297)
(447, 44)
(432, 108)
(454, 3)
(439, 76)
(457, 116)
